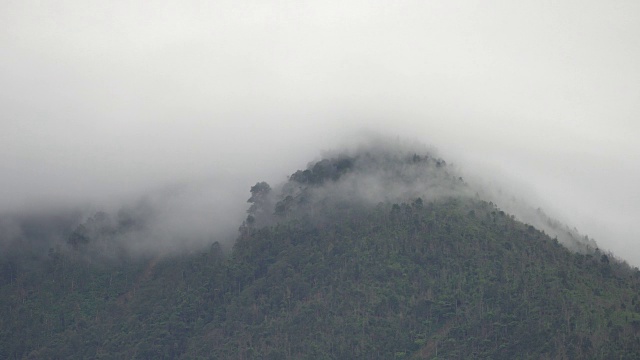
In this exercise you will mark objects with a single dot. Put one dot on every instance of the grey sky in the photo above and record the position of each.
(103, 100)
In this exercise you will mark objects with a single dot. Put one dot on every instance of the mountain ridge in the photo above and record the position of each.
(385, 254)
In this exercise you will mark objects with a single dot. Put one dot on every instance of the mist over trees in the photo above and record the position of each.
(372, 253)
(387, 171)
(380, 170)
(162, 197)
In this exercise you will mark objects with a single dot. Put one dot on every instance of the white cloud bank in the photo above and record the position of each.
(100, 101)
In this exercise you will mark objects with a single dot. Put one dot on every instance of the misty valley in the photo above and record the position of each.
(379, 252)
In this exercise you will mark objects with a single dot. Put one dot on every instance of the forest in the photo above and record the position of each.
(414, 265)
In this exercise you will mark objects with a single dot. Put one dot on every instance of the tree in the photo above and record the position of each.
(260, 210)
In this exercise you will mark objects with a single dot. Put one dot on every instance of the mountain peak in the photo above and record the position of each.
(377, 253)
(367, 176)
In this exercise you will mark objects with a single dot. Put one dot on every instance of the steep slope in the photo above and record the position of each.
(457, 279)
(374, 254)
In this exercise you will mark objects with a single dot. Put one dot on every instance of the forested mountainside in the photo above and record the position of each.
(374, 255)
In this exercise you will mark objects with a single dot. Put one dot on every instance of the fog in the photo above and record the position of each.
(104, 103)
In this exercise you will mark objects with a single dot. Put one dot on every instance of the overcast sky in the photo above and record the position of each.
(104, 100)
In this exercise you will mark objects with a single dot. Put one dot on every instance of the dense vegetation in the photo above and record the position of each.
(317, 276)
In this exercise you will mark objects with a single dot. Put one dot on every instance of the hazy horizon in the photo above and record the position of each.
(102, 103)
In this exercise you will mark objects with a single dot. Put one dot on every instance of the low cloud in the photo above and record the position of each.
(102, 104)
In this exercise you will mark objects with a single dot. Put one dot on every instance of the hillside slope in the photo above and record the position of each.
(376, 255)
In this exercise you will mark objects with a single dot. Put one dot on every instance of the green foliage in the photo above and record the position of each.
(448, 279)
(315, 275)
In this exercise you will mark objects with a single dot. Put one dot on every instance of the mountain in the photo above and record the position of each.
(375, 253)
